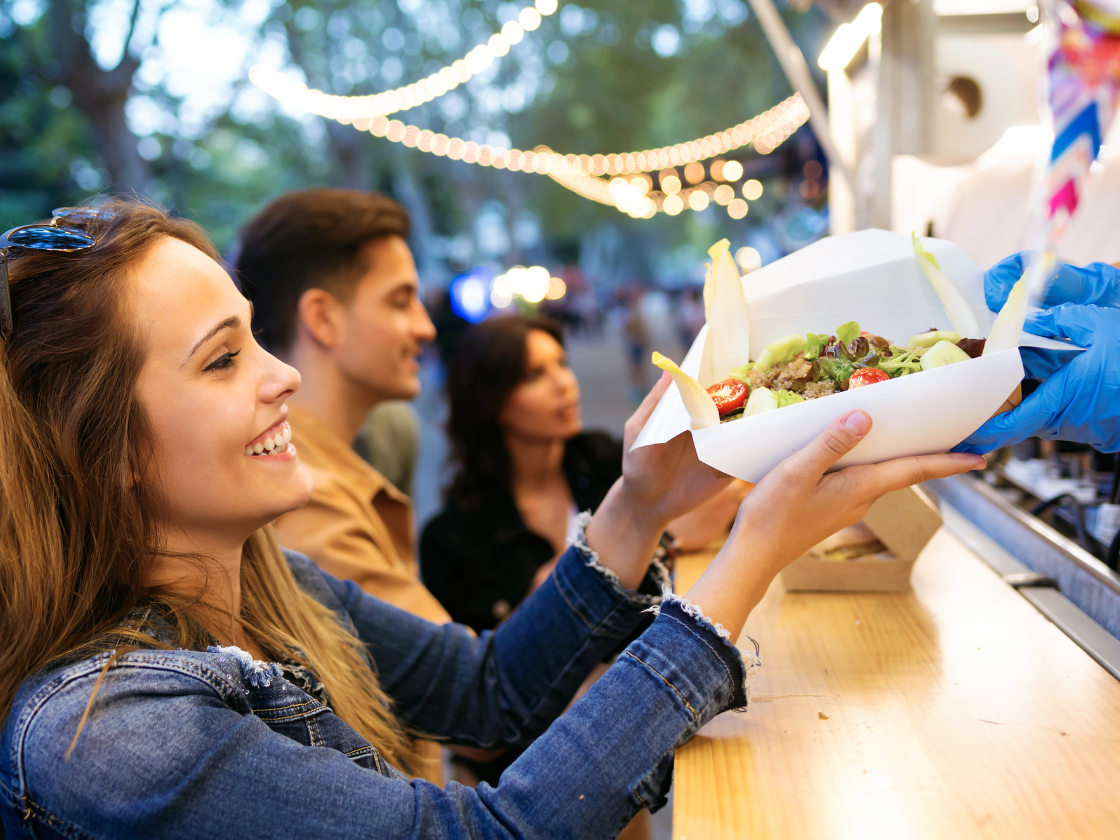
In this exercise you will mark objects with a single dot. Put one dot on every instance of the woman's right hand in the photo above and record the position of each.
(796, 506)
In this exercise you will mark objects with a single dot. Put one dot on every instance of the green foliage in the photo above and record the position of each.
(612, 93)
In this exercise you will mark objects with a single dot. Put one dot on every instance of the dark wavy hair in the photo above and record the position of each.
(487, 364)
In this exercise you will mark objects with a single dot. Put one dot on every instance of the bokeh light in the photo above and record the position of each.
(671, 185)
(732, 170)
(534, 284)
(737, 209)
(752, 190)
(723, 194)
(812, 170)
(698, 200)
(673, 205)
(557, 288)
(529, 18)
(716, 168)
(694, 172)
(469, 294)
(749, 259)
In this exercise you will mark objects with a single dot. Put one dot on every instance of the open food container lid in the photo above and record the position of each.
(870, 277)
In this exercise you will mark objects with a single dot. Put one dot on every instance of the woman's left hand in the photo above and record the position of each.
(667, 477)
(658, 484)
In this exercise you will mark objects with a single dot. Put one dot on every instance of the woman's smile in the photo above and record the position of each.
(274, 444)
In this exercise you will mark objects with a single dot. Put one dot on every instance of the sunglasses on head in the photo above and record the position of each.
(49, 236)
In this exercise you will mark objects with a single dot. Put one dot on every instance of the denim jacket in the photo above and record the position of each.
(187, 743)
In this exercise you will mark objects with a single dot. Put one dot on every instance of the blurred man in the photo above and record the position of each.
(335, 294)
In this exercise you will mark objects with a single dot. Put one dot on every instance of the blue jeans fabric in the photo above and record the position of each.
(188, 743)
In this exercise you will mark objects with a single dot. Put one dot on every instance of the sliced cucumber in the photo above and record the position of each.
(928, 339)
(943, 353)
(760, 400)
(780, 351)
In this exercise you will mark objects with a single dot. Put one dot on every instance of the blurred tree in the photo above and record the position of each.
(100, 93)
(595, 77)
(43, 144)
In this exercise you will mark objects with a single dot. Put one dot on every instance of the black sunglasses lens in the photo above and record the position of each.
(46, 238)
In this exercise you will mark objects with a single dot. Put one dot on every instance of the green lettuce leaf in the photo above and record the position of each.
(847, 333)
(814, 344)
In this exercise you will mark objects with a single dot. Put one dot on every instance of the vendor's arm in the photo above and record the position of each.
(1096, 283)
(1078, 401)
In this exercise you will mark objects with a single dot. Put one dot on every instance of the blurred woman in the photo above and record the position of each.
(166, 670)
(525, 469)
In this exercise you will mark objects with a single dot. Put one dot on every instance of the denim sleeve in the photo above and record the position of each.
(167, 756)
(504, 687)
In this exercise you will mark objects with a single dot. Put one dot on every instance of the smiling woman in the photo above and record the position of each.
(166, 669)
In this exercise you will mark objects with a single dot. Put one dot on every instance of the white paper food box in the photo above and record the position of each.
(871, 277)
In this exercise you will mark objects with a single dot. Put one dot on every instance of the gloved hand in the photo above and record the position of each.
(1096, 283)
(1078, 401)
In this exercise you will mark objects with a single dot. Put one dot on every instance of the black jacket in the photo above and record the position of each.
(480, 562)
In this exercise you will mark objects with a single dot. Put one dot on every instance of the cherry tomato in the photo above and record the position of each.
(729, 395)
(867, 376)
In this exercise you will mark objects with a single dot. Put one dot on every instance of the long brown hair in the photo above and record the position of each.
(77, 517)
(488, 363)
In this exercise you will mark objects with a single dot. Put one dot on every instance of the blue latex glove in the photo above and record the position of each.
(1080, 400)
(1096, 283)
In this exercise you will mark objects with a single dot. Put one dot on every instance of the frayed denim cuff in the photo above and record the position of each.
(650, 591)
(740, 666)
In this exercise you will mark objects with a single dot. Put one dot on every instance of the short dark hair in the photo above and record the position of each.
(488, 362)
(305, 240)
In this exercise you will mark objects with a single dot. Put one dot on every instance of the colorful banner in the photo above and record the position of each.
(1083, 77)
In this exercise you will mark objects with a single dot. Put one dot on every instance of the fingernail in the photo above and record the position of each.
(979, 463)
(857, 423)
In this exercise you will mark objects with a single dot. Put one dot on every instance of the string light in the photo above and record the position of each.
(576, 172)
(580, 173)
(346, 109)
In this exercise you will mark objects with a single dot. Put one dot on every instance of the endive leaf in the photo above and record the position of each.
(728, 344)
(1009, 322)
(960, 315)
(701, 409)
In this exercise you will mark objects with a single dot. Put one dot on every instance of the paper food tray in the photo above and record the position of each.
(873, 278)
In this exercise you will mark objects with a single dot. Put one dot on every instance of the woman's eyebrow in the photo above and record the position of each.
(233, 321)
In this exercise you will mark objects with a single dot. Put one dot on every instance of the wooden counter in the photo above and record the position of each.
(955, 711)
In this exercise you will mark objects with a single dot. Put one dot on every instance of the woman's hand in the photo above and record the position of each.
(668, 478)
(796, 506)
(698, 529)
(658, 484)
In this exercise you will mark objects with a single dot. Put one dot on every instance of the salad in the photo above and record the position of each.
(809, 366)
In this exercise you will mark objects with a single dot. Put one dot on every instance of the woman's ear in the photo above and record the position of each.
(320, 317)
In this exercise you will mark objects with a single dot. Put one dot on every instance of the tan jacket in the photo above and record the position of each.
(358, 527)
